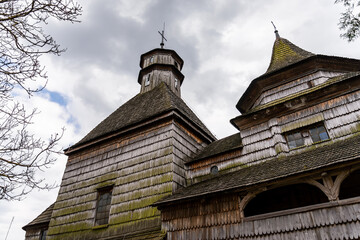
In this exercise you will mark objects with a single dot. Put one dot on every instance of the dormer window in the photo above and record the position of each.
(147, 80)
(308, 135)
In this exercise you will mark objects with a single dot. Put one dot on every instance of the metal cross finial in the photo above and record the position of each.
(276, 31)
(162, 36)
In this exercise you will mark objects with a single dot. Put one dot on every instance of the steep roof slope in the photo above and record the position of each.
(43, 218)
(287, 62)
(143, 107)
(285, 53)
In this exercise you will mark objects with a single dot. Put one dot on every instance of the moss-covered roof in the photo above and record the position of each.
(140, 108)
(42, 219)
(313, 159)
(285, 53)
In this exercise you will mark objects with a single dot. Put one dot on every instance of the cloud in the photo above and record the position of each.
(225, 45)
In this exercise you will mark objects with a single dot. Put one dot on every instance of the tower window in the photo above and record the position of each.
(176, 64)
(152, 59)
(147, 80)
(103, 206)
(176, 83)
(311, 134)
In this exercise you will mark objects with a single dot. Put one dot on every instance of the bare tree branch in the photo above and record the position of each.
(22, 42)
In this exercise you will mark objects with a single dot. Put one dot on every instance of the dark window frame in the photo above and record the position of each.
(314, 133)
(103, 205)
(43, 233)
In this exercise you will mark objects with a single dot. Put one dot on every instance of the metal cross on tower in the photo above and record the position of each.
(162, 36)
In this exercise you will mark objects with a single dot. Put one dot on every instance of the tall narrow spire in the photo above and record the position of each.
(276, 31)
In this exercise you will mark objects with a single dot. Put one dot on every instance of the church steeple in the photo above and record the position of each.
(161, 65)
(285, 53)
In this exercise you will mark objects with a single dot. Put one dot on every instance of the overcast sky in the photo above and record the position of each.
(225, 44)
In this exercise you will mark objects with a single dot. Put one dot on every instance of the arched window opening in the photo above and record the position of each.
(282, 198)
(214, 170)
(350, 187)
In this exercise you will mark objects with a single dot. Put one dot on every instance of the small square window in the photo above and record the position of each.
(295, 140)
(103, 206)
(318, 134)
(312, 134)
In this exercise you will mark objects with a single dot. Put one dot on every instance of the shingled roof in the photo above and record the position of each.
(220, 146)
(277, 168)
(285, 53)
(42, 219)
(141, 108)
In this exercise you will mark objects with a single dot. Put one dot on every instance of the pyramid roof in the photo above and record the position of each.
(140, 108)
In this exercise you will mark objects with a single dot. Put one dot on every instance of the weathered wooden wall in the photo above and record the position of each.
(340, 115)
(294, 87)
(218, 218)
(160, 58)
(186, 145)
(143, 167)
(32, 234)
(158, 76)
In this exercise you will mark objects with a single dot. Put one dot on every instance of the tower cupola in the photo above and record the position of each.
(161, 65)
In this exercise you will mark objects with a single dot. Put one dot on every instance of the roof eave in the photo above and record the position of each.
(314, 94)
(137, 125)
(317, 62)
(246, 186)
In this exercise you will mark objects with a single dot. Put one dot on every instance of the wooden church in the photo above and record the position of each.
(152, 170)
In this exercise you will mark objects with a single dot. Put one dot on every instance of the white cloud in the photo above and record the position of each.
(225, 45)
